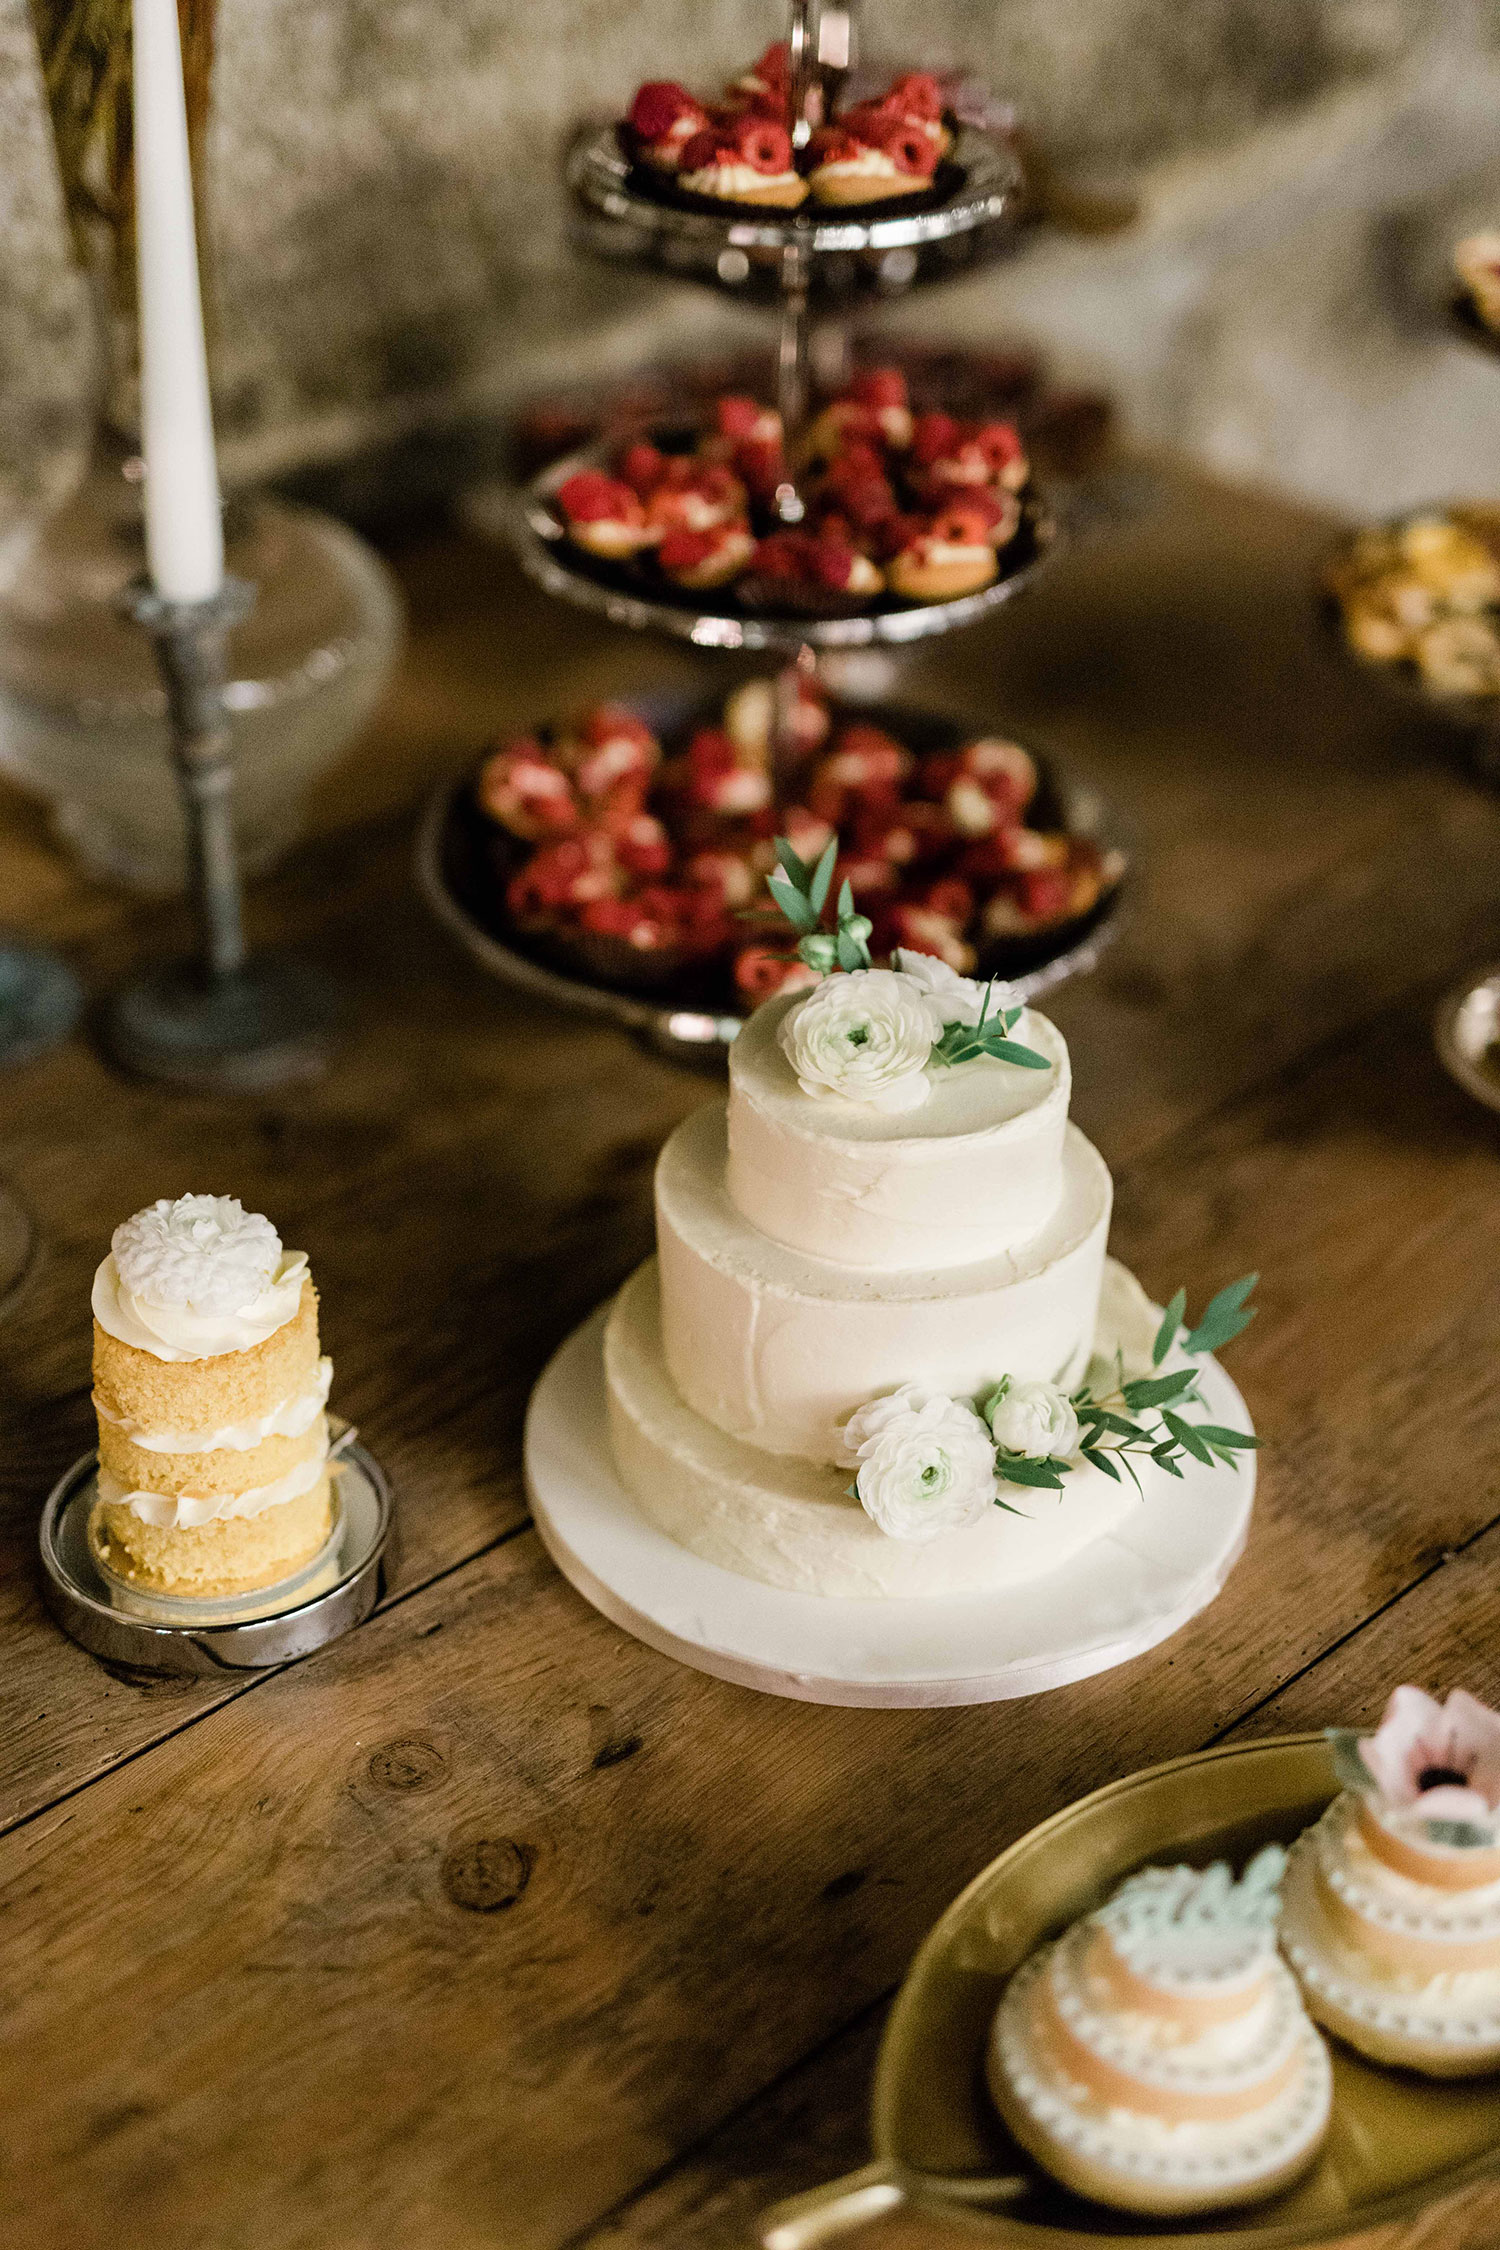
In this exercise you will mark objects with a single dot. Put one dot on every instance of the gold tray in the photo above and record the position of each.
(1397, 2142)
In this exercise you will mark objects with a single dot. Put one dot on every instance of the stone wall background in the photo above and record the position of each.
(389, 252)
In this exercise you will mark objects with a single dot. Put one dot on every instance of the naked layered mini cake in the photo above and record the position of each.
(210, 1391)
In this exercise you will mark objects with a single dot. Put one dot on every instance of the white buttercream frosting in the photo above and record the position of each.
(191, 1279)
(976, 1172)
(185, 1511)
(793, 1523)
(780, 1348)
(289, 1419)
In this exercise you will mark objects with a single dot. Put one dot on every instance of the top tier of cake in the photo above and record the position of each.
(974, 1173)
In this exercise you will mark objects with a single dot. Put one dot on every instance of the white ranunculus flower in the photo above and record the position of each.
(1035, 1418)
(926, 1463)
(865, 1035)
(957, 999)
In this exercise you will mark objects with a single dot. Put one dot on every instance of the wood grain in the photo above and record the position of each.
(471, 1927)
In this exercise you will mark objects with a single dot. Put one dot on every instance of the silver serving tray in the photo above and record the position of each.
(209, 1636)
(703, 1035)
(619, 217)
(527, 517)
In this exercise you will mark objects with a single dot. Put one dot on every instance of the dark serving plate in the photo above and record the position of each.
(463, 861)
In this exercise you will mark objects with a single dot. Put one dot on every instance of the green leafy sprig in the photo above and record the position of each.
(801, 892)
(1143, 1417)
(965, 1042)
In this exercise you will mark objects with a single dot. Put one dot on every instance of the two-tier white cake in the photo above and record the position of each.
(817, 1253)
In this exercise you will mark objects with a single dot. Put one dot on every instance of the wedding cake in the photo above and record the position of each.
(886, 1256)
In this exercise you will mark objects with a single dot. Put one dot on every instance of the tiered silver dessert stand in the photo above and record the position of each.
(809, 265)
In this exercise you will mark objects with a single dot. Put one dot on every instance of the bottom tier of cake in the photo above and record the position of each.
(793, 1523)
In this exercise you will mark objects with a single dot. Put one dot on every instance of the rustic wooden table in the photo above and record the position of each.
(488, 1927)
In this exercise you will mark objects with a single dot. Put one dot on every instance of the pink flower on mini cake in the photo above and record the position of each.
(748, 160)
(869, 155)
(704, 559)
(952, 556)
(1439, 1759)
(603, 515)
(663, 118)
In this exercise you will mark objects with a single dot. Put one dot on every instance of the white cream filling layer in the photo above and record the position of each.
(733, 179)
(289, 1419)
(179, 1332)
(183, 1512)
(870, 164)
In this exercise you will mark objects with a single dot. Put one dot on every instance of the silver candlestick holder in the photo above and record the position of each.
(221, 1022)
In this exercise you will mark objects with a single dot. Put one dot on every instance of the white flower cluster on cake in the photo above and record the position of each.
(203, 1250)
(869, 1035)
(927, 1463)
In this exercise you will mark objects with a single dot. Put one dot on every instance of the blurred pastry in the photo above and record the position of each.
(952, 555)
(1158, 2058)
(603, 515)
(1392, 1919)
(745, 160)
(663, 118)
(868, 155)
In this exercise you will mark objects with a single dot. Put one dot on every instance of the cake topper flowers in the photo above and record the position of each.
(1440, 1761)
(921, 1471)
(869, 1035)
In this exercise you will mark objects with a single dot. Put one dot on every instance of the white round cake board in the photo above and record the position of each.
(1125, 1592)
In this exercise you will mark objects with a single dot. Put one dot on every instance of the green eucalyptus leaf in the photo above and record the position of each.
(1188, 1437)
(797, 871)
(846, 900)
(1236, 1441)
(793, 905)
(1020, 1468)
(1166, 1335)
(1011, 1051)
(1225, 1316)
(1101, 1460)
(1159, 1390)
(822, 875)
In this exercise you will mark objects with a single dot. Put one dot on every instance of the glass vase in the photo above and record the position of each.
(82, 710)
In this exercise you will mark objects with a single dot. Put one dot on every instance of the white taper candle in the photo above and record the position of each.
(184, 536)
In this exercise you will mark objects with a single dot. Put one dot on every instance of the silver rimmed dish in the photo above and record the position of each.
(207, 1636)
(622, 213)
(1466, 1028)
(697, 1022)
(528, 517)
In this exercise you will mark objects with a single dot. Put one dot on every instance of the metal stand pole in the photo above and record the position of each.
(221, 1021)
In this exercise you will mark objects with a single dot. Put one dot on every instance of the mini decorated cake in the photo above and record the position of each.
(210, 1390)
(1392, 1916)
(1158, 2057)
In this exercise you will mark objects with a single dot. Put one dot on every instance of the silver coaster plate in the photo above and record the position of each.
(213, 1634)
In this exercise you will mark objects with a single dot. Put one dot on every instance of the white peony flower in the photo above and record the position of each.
(865, 1035)
(202, 1250)
(957, 999)
(926, 1463)
(1034, 1418)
